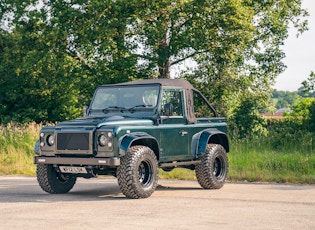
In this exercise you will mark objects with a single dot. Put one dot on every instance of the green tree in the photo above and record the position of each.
(57, 57)
(171, 32)
(301, 108)
(246, 122)
(308, 86)
(285, 99)
(304, 111)
(38, 84)
(235, 45)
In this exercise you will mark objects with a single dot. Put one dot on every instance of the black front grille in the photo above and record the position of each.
(73, 141)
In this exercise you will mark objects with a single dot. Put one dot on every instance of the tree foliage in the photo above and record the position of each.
(38, 84)
(246, 122)
(285, 99)
(308, 86)
(304, 111)
(301, 108)
(55, 53)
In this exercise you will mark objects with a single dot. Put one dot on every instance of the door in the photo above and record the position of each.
(174, 136)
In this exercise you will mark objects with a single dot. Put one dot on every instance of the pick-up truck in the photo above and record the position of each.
(129, 131)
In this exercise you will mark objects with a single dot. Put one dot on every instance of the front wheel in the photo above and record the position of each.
(137, 174)
(212, 171)
(52, 181)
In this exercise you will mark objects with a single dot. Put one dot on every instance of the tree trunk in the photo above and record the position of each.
(164, 58)
(164, 70)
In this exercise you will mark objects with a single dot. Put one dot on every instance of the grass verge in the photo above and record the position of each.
(16, 148)
(256, 160)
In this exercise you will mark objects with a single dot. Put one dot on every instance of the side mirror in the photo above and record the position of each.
(168, 109)
(85, 108)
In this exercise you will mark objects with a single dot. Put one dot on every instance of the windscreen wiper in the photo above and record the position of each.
(134, 108)
(113, 108)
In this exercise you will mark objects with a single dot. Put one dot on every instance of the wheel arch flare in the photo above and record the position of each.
(138, 138)
(201, 139)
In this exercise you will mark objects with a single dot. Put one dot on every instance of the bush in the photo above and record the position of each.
(246, 122)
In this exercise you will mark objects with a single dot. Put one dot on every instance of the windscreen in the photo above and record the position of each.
(125, 97)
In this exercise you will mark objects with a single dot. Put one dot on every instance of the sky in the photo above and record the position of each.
(300, 54)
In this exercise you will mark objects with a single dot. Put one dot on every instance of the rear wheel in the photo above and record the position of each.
(52, 181)
(138, 172)
(212, 171)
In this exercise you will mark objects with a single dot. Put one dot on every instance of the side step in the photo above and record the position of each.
(179, 163)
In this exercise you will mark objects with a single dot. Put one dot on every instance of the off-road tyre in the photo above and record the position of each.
(137, 174)
(52, 181)
(212, 171)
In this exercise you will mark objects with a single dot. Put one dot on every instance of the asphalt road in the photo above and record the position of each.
(98, 204)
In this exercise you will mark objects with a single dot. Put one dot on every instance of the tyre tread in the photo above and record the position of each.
(127, 176)
(50, 183)
(204, 171)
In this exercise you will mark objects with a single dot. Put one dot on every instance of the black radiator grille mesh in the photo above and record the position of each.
(73, 141)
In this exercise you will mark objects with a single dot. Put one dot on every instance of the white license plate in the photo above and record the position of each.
(70, 169)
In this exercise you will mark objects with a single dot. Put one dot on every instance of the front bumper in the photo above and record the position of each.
(110, 162)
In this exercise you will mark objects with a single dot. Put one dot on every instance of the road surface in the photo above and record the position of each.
(98, 204)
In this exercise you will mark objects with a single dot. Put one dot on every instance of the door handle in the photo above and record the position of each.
(183, 133)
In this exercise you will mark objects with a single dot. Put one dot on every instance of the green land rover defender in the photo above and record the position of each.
(129, 131)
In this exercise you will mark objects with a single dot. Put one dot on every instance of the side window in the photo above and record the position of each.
(174, 97)
(201, 107)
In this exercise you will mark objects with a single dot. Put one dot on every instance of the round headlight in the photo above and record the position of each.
(51, 140)
(102, 140)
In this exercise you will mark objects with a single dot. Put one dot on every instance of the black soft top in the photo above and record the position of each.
(178, 83)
